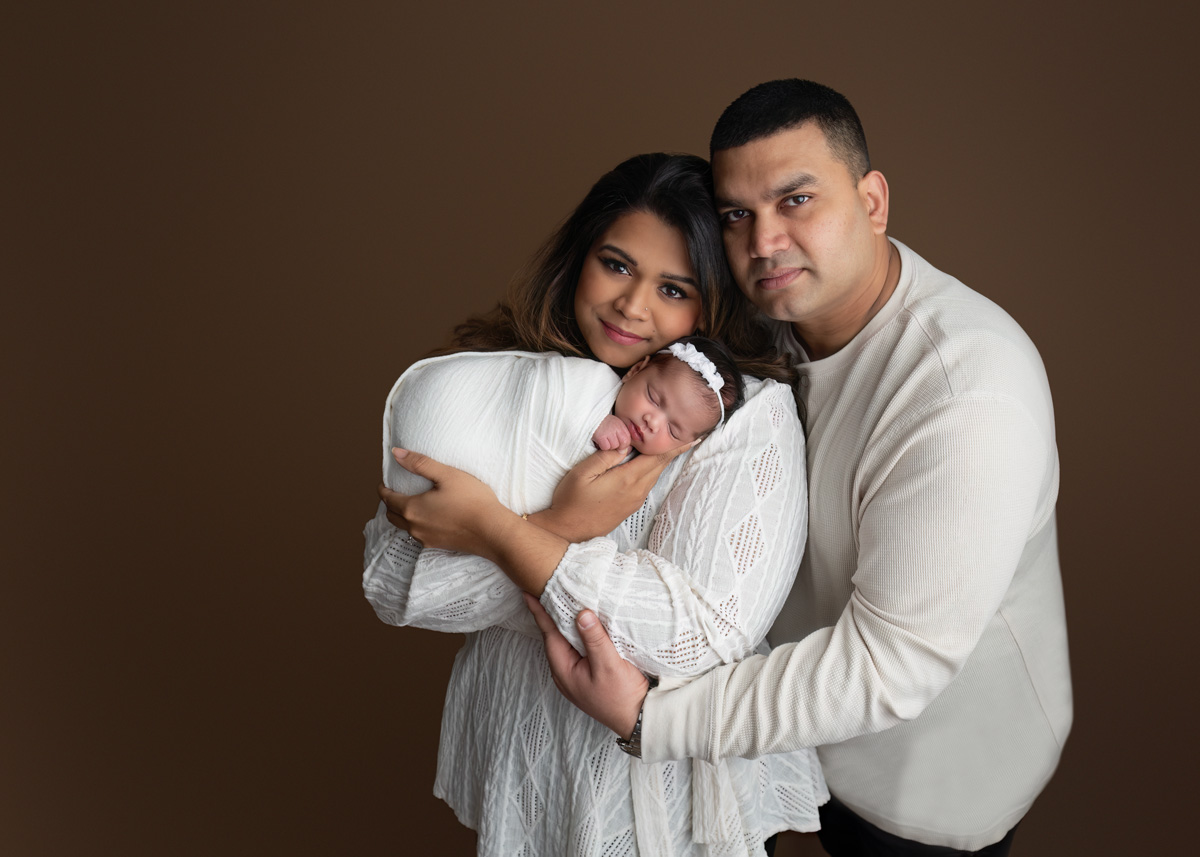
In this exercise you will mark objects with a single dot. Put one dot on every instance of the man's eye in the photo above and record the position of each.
(733, 215)
(798, 199)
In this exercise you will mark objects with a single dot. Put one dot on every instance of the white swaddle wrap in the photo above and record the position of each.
(519, 421)
(477, 412)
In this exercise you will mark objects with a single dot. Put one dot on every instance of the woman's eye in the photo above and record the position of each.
(798, 199)
(672, 291)
(615, 265)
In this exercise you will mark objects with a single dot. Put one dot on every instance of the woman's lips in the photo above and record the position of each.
(779, 278)
(619, 336)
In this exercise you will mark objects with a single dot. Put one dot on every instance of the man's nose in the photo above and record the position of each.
(767, 237)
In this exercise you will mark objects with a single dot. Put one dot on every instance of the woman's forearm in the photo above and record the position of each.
(462, 514)
(724, 549)
(526, 552)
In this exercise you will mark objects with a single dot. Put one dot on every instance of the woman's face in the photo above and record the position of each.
(637, 291)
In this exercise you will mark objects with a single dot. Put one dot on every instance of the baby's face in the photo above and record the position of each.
(664, 406)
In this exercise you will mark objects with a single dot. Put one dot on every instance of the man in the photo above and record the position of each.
(923, 647)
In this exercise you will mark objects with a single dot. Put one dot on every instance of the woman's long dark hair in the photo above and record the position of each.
(539, 312)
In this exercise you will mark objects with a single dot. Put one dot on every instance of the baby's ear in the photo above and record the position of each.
(635, 368)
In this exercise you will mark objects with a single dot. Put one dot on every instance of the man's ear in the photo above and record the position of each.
(873, 190)
(635, 368)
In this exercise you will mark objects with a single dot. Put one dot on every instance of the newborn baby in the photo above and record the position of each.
(672, 398)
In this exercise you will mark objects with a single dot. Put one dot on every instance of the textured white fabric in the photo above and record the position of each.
(932, 662)
(691, 580)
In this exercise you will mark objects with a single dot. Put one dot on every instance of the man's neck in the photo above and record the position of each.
(822, 340)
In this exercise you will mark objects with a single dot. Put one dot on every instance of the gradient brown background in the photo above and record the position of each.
(227, 230)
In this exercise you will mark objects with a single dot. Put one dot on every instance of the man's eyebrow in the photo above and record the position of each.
(798, 182)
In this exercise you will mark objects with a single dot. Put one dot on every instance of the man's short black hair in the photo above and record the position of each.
(780, 105)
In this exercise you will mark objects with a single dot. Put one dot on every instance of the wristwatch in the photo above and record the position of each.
(634, 745)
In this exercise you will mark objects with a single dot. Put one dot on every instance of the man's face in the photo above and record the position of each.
(800, 231)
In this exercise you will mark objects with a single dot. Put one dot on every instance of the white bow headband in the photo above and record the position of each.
(703, 366)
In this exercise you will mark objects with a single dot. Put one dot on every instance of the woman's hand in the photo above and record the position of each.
(599, 493)
(458, 513)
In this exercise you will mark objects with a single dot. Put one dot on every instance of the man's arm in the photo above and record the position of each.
(942, 529)
(601, 683)
(723, 551)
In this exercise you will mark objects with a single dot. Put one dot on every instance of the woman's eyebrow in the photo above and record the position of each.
(612, 248)
(679, 278)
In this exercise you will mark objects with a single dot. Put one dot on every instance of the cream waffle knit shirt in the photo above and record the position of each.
(923, 647)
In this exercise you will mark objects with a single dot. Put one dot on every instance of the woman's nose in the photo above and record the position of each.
(634, 303)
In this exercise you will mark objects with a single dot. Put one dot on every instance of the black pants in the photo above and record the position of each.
(845, 834)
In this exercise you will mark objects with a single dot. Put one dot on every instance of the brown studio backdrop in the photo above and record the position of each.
(229, 231)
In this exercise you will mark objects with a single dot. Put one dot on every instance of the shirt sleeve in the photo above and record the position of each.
(945, 509)
(723, 551)
(435, 589)
(550, 406)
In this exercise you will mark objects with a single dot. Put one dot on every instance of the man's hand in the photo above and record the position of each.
(598, 493)
(603, 685)
(458, 513)
(612, 434)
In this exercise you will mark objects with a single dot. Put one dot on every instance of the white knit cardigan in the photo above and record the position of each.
(691, 581)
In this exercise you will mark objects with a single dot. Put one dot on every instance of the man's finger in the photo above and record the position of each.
(600, 650)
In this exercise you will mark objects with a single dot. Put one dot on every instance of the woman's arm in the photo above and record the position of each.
(460, 513)
(724, 550)
(433, 589)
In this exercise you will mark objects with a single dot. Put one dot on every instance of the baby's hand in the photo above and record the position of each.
(612, 434)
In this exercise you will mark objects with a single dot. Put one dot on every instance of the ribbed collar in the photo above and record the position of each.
(786, 335)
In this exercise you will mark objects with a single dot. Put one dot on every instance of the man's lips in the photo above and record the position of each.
(780, 278)
(621, 337)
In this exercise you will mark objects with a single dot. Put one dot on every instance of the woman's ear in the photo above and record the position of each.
(635, 368)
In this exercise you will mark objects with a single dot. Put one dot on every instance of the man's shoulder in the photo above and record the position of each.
(942, 298)
(977, 344)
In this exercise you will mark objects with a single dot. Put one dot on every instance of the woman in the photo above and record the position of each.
(691, 579)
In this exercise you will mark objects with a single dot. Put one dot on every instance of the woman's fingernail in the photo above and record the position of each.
(397, 452)
(586, 619)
